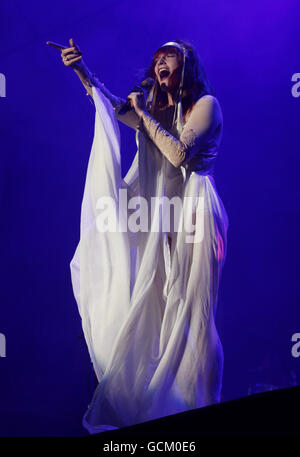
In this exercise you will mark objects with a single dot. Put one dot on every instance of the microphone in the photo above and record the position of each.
(146, 84)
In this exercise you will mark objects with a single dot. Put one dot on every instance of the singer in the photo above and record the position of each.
(148, 299)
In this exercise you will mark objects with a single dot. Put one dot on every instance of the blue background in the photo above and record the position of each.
(250, 53)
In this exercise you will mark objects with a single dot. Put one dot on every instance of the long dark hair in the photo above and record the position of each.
(195, 82)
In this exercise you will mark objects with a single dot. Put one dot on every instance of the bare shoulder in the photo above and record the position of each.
(207, 105)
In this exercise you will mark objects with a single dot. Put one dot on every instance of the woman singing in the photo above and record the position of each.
(147, 293)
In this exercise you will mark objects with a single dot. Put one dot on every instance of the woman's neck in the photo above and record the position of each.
(170, 99)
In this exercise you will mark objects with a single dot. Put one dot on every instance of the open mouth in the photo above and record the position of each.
(164, 73)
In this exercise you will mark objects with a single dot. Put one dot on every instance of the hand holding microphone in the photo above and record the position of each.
(136, 98)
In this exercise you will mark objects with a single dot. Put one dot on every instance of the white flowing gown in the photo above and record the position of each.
(148, 312)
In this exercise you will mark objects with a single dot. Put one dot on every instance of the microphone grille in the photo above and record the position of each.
(147, 83)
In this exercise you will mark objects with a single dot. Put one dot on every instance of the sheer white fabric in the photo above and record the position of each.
(148, 313)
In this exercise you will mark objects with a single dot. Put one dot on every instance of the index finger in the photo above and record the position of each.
(56, 45)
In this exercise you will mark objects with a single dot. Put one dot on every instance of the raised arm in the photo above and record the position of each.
(205, 117)
(89, 80)
(72, 57)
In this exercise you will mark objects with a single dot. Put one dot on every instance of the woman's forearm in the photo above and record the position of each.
(85, 77)
(172, 148)
(88, 79)
(204, 119)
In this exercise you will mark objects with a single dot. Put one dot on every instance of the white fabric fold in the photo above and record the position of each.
(148, 313)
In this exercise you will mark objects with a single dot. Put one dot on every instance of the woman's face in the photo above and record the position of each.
(165, 64)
